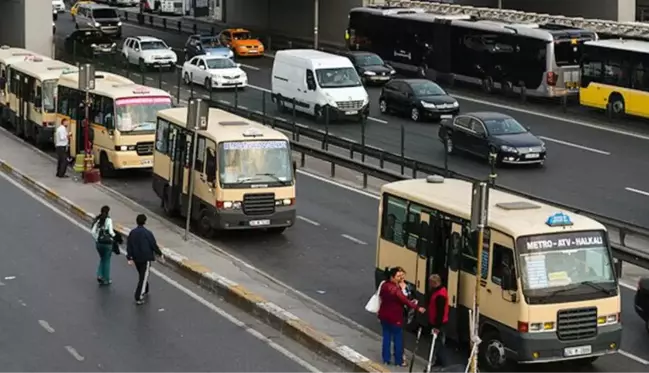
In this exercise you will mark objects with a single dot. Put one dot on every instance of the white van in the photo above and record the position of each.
(316, 81)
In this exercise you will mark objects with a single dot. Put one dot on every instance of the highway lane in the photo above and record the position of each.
(54, 317)
(584, 163)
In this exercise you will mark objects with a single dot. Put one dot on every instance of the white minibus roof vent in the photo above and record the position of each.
(252, 132)
(233, 123)
(435, 179)
(518, 205)
(5, 47)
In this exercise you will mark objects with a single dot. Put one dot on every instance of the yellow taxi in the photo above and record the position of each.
(241, 42)
(75, 7)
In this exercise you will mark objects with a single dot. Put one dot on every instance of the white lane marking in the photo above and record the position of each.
(378, 120)
(74, 353)
(340, 185)
(354, 239)
(582, 147)
(633, 357)
(554, 117)
(46, 326)
(307, 220)
(638, 191)
(178, 286)
(255, 68)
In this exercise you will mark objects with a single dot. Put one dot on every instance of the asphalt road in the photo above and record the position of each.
(54, 317)
(588, 168)
(331, 258)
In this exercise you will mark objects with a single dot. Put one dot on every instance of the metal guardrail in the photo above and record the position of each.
(187, 25)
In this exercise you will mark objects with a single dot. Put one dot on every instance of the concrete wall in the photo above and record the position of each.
(31, 29)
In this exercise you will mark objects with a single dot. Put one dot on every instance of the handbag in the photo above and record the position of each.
(374, 303)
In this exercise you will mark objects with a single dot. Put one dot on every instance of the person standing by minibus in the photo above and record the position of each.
(438, 316)
(391, 316)
(61, 144)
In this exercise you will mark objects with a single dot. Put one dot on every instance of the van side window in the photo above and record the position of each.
(161, 136)
(394, 217)
(310, 79)
(200, 155)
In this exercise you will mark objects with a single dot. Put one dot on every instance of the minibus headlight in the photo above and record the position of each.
(284, 202)
(119, 23)
(124, 148)
(97, 24)
(228, 205)
(607, 319)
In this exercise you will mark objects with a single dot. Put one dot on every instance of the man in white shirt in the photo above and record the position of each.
(61, 143)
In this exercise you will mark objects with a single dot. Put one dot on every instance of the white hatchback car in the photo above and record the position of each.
(147, 51)
(214, 72)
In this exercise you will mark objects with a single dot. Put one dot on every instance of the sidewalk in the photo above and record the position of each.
(301, 318)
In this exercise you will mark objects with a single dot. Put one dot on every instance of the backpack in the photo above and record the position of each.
(103, 236)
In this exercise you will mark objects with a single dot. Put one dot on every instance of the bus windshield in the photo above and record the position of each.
(139, 114)
(565, 260)
(49, 95)
(338, 77)
(244, 163)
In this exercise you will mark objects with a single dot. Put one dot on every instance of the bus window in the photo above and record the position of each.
(161, 138)
(63, 101)
(412, 226)
(614, 73)
(469, 261)
(199, 163)
(640, 76)
(38, 98)
(394, 217)
(502, 263)
(210, 164)
(108, 109)
(48, 95)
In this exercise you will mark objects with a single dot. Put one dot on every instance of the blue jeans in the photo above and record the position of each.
(392, 334)
(103, 269)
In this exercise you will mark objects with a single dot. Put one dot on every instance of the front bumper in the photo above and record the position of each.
(377, 79)
(111, 30)
(160, 63)
(229, 83)
(522, 158)
(546, 347)
(130, 159)
(437, 113)
(342, 114)
(250, 52)
(237, 220)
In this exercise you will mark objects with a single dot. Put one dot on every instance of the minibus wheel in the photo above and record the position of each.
(492, 352)
(170, 211)
(105, 167)
(204, 224)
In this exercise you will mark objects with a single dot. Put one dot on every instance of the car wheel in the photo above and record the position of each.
(383, 106)
(280, 104)
(415, 115)
(186, 79)
(208, 84)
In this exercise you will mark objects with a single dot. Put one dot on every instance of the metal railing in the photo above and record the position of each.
(629, 241)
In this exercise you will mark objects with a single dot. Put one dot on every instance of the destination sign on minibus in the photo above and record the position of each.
(561, 241)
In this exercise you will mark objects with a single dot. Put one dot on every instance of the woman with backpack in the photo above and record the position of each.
(102, 232)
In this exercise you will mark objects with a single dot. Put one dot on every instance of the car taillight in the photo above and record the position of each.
(552, 78)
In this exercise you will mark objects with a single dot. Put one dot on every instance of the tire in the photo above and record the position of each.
(383, 106)
(276, 230)
(37, 140)
(492, 352)
(415, 114)
(186, 79)
(617, 105)
(207, 83)
(319, 115)
(105, 167)
(203, 224)
(279, 102)
(169, 210)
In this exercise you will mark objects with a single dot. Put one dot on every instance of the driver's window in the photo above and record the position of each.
(477, 127)
(136, 45)
(201, 64)
(462, 122)
(195, 61)
(502, 263)
(210, 162)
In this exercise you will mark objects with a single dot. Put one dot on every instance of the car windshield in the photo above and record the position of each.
(220, 63)
(211, 42)
(139, 114)
(425, 88)
(255, 162)
(560, 260)
(104, 13)
(368, 60)
(340, 77)
(503, 126)
(153, 45)
(241, 36)
(49, 95)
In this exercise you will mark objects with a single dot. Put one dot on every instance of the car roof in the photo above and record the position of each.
(203, 36)
(414, 80)
(236, 30)
(487, 115)
(360, 53)
(145, 38)
(96, 6)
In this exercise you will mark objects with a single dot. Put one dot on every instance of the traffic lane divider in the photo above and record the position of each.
(248, 301)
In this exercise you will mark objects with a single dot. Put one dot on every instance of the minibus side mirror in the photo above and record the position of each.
(294, 169)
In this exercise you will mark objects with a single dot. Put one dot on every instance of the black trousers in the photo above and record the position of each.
(143, 270)
(61, 160)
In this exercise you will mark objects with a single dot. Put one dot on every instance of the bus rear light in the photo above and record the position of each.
(552, 78)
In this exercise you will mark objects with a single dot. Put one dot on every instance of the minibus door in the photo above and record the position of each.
(422, 253)
(179, 159)
(22, 105)
(454, 252)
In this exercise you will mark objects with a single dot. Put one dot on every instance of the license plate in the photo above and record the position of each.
(532, 155)
(146, 163)
(577, 351)
(257, 223)
(353, 112)
(446, 116)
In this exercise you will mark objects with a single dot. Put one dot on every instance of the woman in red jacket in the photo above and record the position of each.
(391, 315)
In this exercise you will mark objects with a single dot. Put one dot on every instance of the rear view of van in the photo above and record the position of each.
(319, 84)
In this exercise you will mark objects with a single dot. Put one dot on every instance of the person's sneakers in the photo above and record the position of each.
(139, 302)
(106, 283)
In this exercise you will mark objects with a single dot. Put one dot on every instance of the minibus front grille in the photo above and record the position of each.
(144, 148)
(577, 323)
(259, 204)
(349, 105)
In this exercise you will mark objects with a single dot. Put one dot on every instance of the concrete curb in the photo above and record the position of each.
(268, 312)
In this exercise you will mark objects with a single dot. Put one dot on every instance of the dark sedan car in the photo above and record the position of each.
(370, 67)
(417, 98)
(89, 43)
(486, 132)
(642, 301)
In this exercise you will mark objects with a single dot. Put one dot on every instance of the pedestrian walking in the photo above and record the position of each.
(438, 316)
(391, 316)
(61, 144)
(104, 235)
(141, 250)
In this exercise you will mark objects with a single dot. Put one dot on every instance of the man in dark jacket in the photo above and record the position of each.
(438, 316)
(141, 250)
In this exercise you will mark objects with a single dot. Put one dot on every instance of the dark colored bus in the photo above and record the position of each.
(494, 54)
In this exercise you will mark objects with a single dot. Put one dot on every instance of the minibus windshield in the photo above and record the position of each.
(139, 114)
(340, 77)
(559, 260)
(244, 163)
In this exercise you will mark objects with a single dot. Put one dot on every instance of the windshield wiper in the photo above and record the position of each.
(598, 287)
(557, 292)
(274, 177)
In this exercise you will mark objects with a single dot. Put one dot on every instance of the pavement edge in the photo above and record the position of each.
(268, 312)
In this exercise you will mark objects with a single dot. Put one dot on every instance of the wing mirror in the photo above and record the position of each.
(239, 65)
(202, 67)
